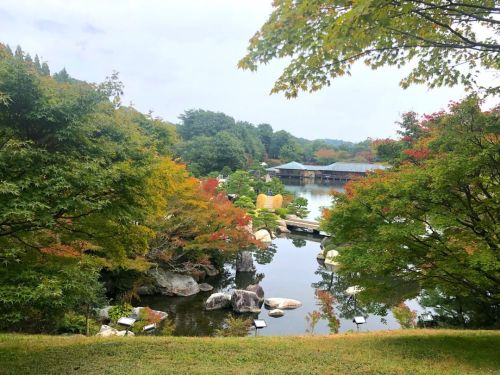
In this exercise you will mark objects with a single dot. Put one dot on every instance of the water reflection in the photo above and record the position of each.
(287, 269)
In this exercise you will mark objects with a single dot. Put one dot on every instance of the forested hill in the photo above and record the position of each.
(213, 142)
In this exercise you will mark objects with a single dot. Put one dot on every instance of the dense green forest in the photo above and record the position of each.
(213, 143)
(89, 193)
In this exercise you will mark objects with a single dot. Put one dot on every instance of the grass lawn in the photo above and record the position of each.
(395, 352)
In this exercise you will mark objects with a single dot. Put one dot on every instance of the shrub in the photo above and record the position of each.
(118, 311)
(405, 317)
(77, 324)
(298, 207)
(281, 212)
(235, 327)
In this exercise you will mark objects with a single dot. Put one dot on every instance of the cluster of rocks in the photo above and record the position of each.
(250, 300)
(282, 228)
(265, 236)
(108, 331)
(247, 300)
(174, 284)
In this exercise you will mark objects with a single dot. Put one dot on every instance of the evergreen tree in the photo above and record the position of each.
(37, 64)
(45, 69)
(19, 54)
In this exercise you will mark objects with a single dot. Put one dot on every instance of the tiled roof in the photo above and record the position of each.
(355, 167)
(291, 165)
(335, 167)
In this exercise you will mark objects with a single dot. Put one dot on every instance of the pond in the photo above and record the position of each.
(289, 268)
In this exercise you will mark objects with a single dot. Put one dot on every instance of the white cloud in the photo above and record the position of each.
(176, 55)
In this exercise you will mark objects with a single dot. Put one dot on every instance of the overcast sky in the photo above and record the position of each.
(174, 55)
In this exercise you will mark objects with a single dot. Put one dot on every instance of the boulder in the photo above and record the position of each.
(136, 312)
(320, 256)
(263, 235)
(281, 223)
(276, 313)
(106, 331)
(204, 287)
(103, 313)
(174, 284)
(218, 301)
(244, 262)
(330, 257)
(147, 290)
(282, 303)
(330, 263)
(283, 229)
(257, 289)
(244, 301)
(323, 243)
(210, 270)
(198, 275)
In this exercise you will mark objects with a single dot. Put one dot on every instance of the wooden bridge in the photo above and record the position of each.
(297, 223)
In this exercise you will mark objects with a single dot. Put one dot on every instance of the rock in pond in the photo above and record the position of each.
(283, 229)
(263, 235)
(257, 289)
(281, 223)
(147, 290)
(330, 263)
(174, 284)
(244, 262)
(330, 257)
(136, 313)
(244, 301)
(204, 287)
(218, 301)
(210, 270)
(282, 303)
(276, 313)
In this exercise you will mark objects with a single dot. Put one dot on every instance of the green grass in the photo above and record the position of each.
(396, 352)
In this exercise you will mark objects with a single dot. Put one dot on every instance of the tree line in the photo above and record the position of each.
(89, 193)
(215, 143)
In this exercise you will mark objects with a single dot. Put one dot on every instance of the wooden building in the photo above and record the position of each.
(339, 171)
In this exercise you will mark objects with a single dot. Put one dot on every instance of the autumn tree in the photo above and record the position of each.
(432, 221)
(449, 41)
(195, 224)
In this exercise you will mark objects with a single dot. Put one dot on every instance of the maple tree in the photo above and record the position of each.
(431, 221)
(447, 40)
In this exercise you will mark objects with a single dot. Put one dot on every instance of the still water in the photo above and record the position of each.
(287, 269)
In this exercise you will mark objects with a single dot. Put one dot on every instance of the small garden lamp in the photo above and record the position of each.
(359, 320)
(127, 322)
(259, 324)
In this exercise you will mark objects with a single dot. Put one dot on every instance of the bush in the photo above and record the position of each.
(298, 207)
(405, 317)
(235, 327)
(118, 311)
(281, 212)
(77, 324)
(264, 219)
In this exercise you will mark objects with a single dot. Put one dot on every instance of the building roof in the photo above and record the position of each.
(292, 165)
(335, 167)
(355, 167)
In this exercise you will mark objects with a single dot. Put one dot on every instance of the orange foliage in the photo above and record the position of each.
(61, 250)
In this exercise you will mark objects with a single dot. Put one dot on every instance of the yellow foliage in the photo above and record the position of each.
(272, 203)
